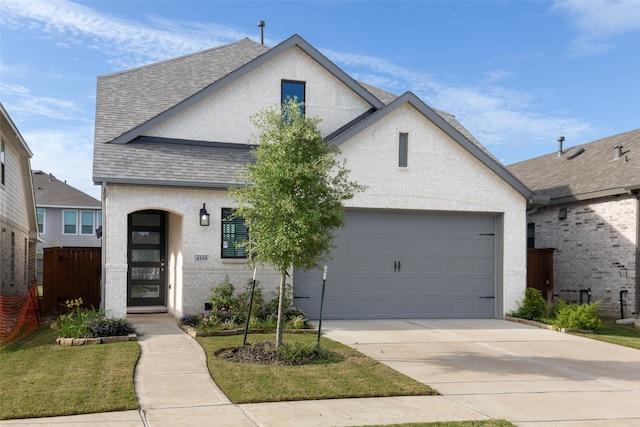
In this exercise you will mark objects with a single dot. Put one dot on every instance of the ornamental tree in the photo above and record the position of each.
(293, 200)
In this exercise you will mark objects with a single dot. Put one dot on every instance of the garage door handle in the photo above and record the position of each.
(395, 266)
(398, 266)
(487, 297)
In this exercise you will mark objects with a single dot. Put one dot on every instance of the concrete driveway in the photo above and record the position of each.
(501, 369)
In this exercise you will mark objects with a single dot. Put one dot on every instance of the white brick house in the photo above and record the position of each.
(438, 233)
(592, 219)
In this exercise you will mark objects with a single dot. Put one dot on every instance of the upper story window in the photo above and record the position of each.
(40, 214)
(69, 222)
(86, 222)
(2, 162)
(234, 232)
(403, 150)
(291, 89)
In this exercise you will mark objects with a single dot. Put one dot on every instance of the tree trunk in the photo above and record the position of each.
(281, 295)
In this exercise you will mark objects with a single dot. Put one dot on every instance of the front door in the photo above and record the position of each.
(146, 284)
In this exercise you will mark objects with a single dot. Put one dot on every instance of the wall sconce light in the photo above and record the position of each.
(204, 216)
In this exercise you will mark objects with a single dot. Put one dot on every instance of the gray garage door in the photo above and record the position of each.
(405, 265)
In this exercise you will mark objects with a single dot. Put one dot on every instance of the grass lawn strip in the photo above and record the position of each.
(479, 423)
(39, 378)
(614, 333)
(355, 376)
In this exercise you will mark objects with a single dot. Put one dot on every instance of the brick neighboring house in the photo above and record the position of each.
(592, 220)
(67, 217)
(437, 234)
(18, 227)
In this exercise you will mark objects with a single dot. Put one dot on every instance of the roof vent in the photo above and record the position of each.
(560, 141)
(617, 153)
(574, 152)
(261, 25)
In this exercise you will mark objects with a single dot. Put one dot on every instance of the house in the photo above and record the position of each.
(592, 220)
(437, 234)
(67, 217)
(18, 226)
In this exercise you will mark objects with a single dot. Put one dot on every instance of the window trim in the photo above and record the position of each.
(225, 213)
(82, 224)
(44, 220)
(64, 224)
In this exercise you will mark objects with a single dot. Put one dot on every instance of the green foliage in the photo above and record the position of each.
(222, 296)
(578, 316)
(534, 306)
(298, 187)
(244, 298)
(304, 353)
(78, 322)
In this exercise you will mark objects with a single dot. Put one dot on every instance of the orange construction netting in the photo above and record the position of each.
(19, 315)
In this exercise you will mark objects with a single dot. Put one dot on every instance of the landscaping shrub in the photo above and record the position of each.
(229, 311)
(578, 316)
(534, 306)
(89, 323)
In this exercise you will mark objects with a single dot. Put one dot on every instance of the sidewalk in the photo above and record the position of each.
(174, 388)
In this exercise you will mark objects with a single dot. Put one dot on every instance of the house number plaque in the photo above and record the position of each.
(202, 258)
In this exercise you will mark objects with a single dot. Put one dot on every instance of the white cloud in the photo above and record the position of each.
(23, 101)
(497, 116)
(128, 43)
(599, 23)
(67, 153)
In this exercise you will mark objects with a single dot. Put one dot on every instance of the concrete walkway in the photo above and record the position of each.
(484, 369)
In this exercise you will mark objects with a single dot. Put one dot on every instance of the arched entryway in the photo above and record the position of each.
(146, 257)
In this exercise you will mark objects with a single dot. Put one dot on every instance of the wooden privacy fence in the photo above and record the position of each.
(70, 273)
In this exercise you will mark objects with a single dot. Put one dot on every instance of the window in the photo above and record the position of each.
(2, 162)
(293, 90)
(69, 222)
(234, 232)
(403, 148)
(86, 222)
(40, 214)
(531, 235)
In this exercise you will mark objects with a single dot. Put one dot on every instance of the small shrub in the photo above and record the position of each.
(300, 353)
(89, 323)
(534, 306)
(109, 327)
(578, 316)
(191, 319)
(244, 298)
(222, 295)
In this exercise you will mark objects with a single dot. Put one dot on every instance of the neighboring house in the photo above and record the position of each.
(67, 217)
(18, 227)
(437, 234)
(592, 219)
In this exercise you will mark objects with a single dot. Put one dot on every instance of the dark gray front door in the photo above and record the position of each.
(147, 256)
(406, 265)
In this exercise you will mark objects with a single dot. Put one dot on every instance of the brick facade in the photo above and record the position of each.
(595, 247)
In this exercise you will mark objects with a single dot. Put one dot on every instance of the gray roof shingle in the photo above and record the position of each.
(592, 172)
(50, 191)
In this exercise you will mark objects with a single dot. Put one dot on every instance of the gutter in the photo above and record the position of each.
(635, 190)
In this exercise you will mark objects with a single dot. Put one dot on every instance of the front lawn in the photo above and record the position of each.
(614, 333)
(355, 376)
(39, 378)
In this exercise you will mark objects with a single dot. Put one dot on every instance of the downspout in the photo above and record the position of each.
(103, 254)
(637, 254)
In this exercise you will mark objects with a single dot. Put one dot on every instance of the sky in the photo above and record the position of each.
(516, 74)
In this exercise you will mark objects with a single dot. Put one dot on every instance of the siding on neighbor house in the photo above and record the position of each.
(53, 235)
(595, 248)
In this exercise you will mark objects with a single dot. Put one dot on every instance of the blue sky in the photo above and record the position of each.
(516, 73)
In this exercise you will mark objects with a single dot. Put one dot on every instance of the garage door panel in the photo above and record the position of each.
(406, 265)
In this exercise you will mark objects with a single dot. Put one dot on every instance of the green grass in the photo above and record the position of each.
(479, 423)
(39, 378)
(613, 333)
(355, 376)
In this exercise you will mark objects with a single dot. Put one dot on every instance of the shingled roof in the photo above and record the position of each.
(128, 101)
(51, 192)
(594, 172)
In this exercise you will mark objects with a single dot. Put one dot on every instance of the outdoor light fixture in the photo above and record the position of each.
(204, 216)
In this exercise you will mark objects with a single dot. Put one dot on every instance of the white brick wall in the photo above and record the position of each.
(595, 248)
